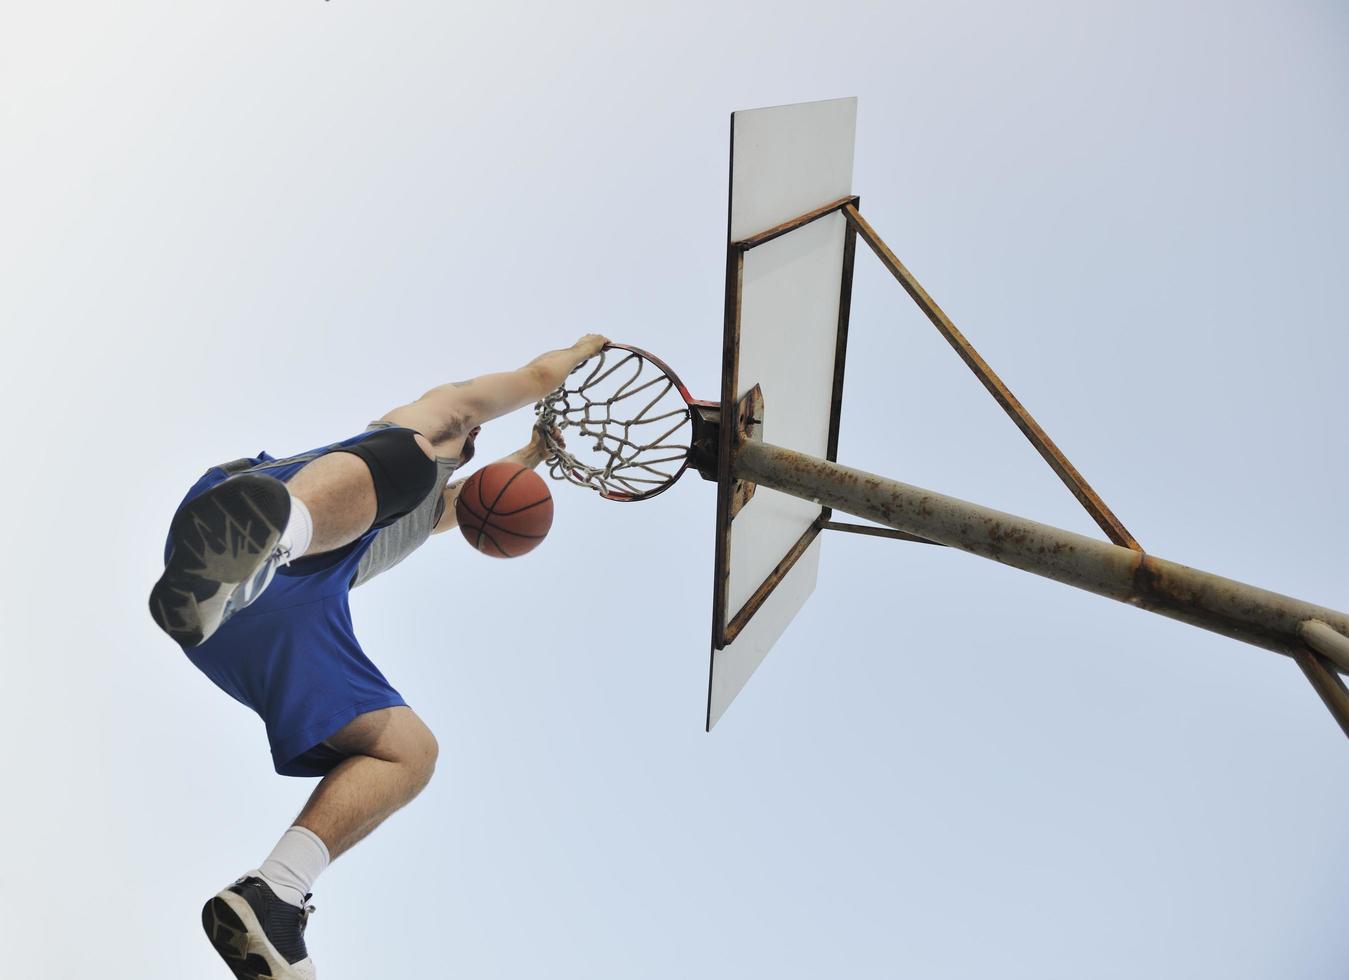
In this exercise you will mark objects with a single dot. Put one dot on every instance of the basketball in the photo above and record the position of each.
(504, 510)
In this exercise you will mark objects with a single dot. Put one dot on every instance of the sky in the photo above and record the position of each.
(227, 228)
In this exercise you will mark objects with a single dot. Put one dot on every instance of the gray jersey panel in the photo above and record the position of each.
(405, 535)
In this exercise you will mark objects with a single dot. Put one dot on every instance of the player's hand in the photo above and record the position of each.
(538, 449)
(589, 345)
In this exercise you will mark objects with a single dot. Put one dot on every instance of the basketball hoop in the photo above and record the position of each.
(629, 421)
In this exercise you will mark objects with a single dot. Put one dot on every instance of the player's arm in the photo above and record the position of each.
(494, 395)
(530, 456)
(446, 414)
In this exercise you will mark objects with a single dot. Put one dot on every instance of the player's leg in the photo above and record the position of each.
(226, 543)
(348, 491)
(218, 540)
(338, 493)
(257, 924)
(391, 757)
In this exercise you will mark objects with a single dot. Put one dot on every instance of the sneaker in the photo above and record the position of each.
(224, 553)
(259, 936)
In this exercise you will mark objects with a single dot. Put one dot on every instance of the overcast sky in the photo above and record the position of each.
(230, 227)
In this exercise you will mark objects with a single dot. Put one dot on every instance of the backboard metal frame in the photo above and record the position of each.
(724, 631)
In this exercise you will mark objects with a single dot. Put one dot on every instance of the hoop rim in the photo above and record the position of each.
(689, 401)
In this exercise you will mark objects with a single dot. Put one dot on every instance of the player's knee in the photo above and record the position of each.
(413, 744)
(427, 748)
(402, 469)
(423, 752)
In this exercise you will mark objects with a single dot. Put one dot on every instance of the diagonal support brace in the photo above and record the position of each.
(1058, 462)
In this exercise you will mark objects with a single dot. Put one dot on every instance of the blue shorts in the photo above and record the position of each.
(292, 655)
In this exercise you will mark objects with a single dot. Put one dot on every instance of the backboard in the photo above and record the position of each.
(788, 287)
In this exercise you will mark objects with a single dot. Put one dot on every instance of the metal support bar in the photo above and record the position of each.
(1058, 462)
(777, 231)
(1328, 684)
(766, 587)
(1243, 612)
(875, 532)
(841, 340)
(1329, 644)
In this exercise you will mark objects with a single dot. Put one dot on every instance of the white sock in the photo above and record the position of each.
(299, 530)
(298, 858)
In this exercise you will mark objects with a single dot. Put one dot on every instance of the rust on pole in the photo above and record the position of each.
(1253, 615)
(1058, 462)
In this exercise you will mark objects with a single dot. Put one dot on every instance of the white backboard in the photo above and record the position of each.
(782, 333)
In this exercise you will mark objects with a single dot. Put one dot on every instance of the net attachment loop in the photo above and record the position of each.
(626, 424)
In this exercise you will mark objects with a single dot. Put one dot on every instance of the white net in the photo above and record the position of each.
(625, 426)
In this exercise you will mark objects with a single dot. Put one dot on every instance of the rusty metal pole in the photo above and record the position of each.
(1308, 633)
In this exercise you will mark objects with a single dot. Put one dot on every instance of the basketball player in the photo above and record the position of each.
(259, 560)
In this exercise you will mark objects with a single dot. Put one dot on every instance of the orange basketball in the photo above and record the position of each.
(504, 510)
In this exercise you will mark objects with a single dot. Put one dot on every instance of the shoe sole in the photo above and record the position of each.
(219, 539)
(236, 934)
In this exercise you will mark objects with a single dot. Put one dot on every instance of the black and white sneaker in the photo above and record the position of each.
(224, 553)
(259, 936)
